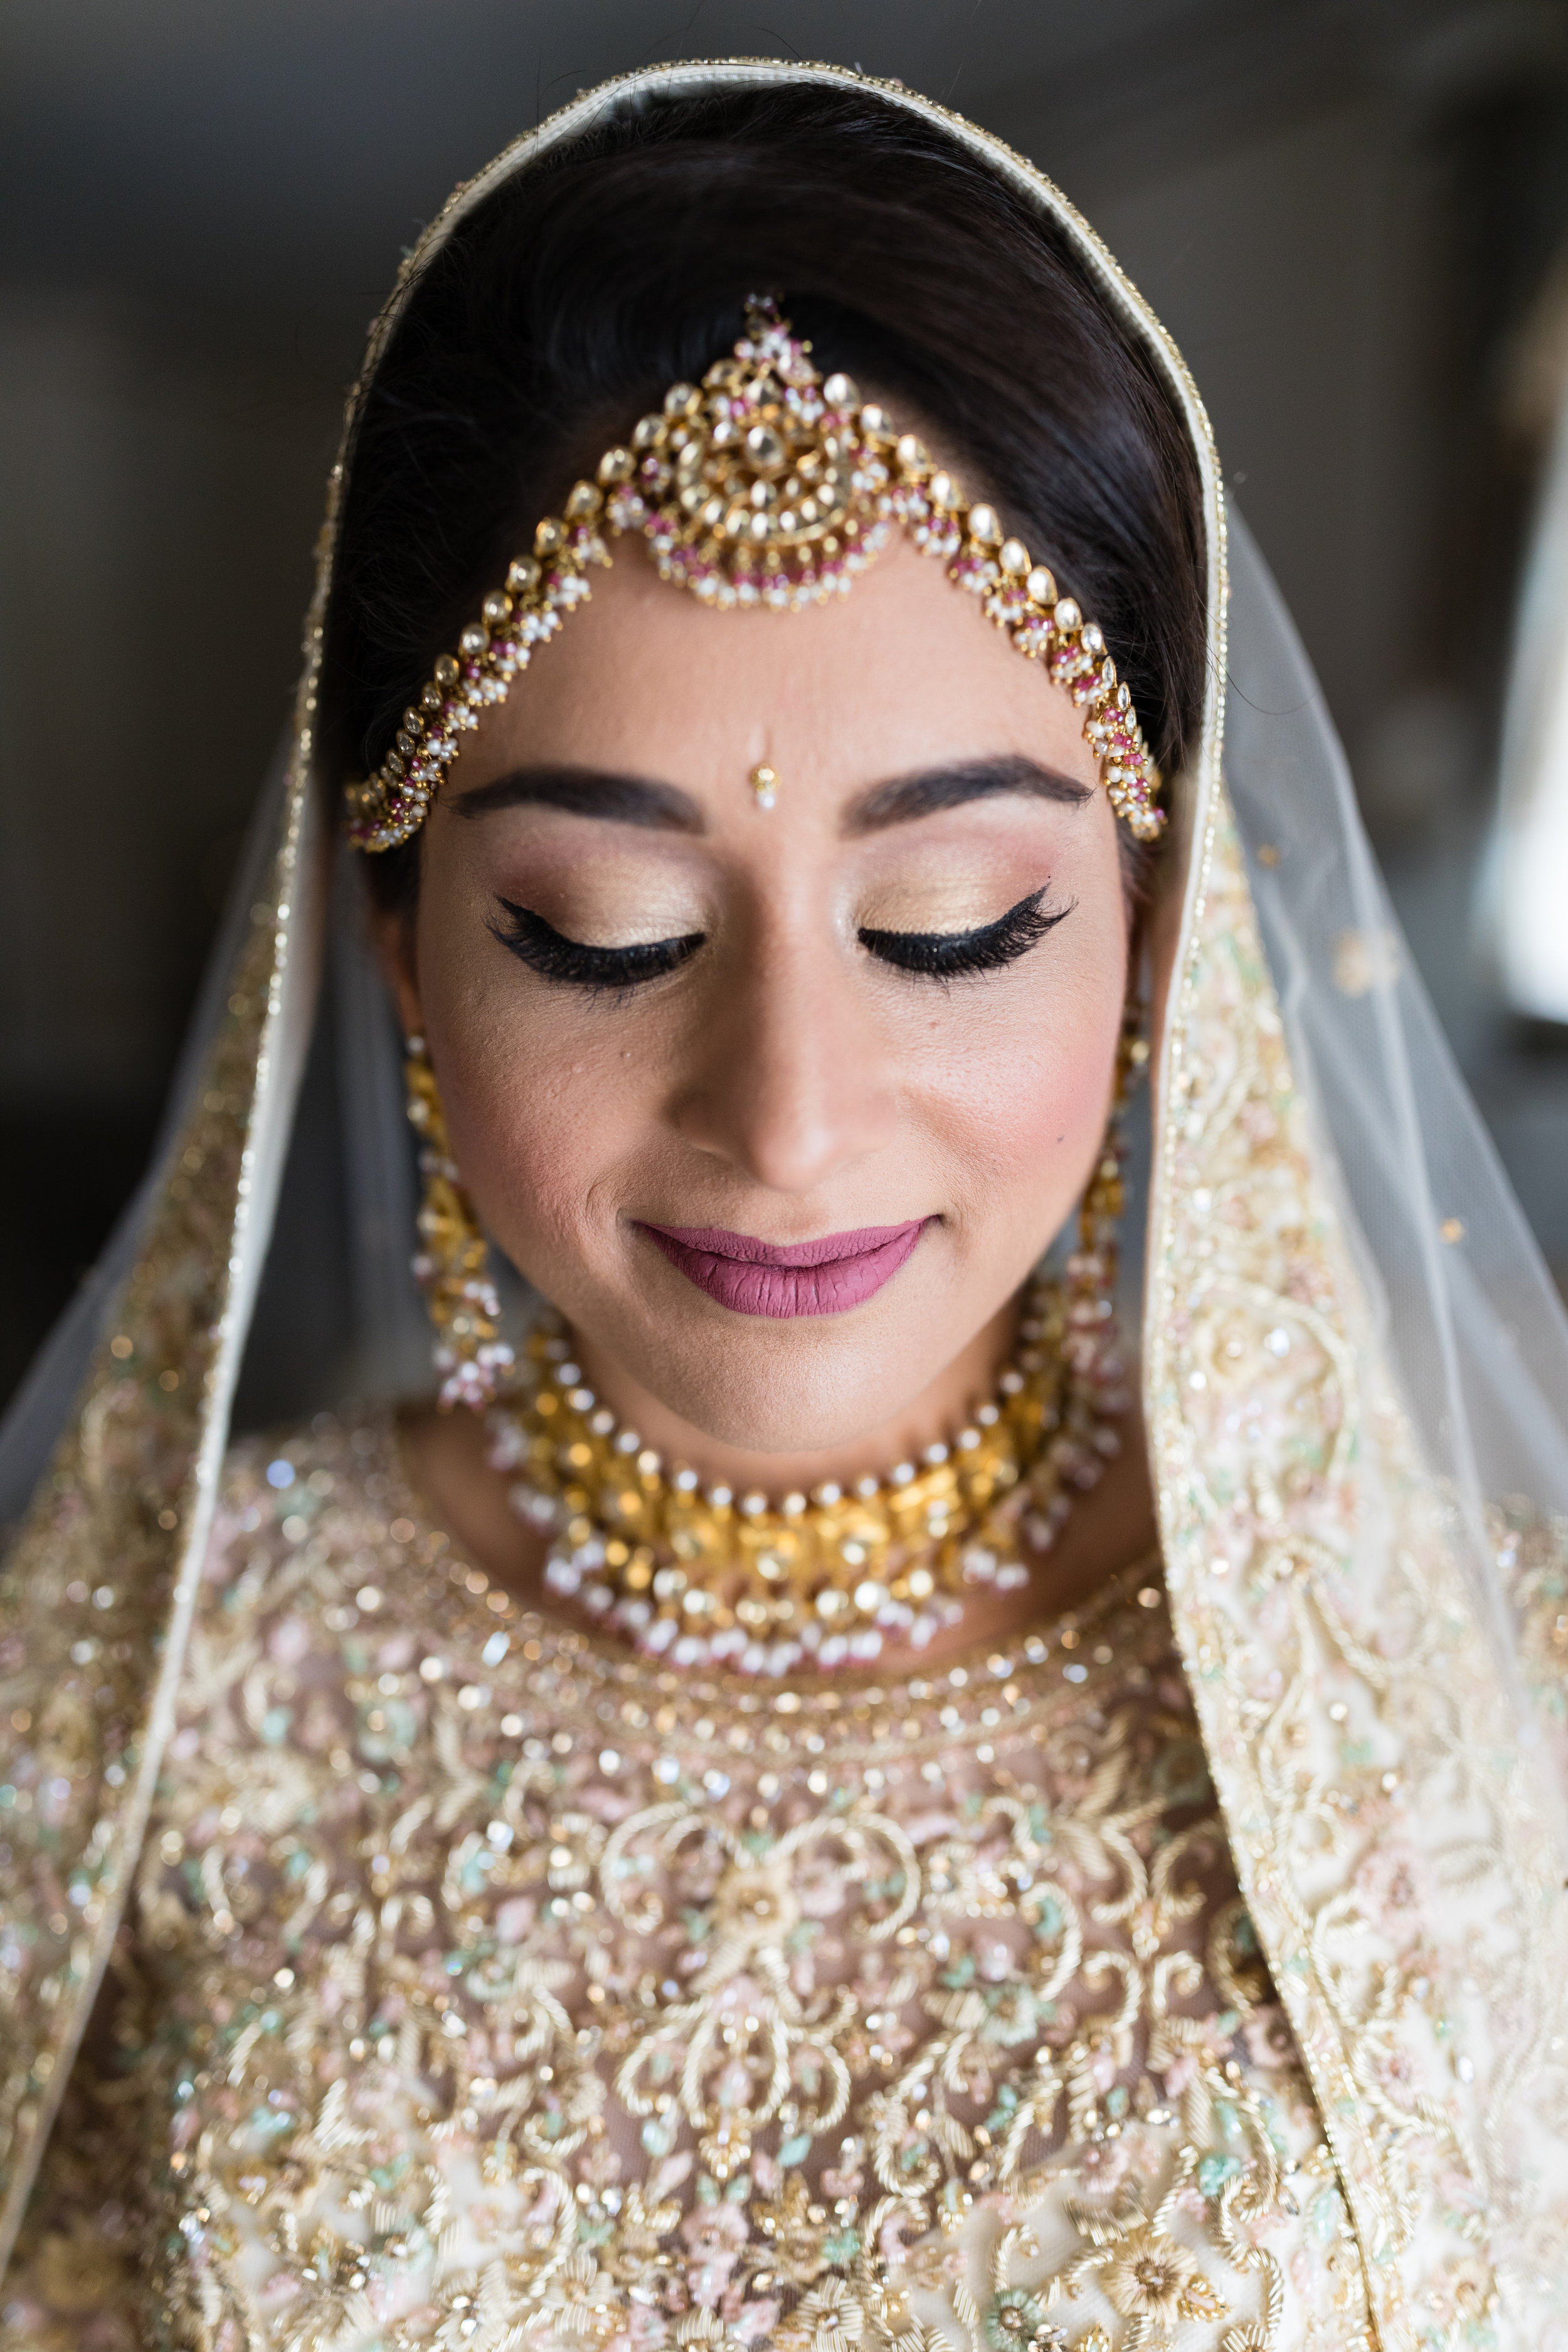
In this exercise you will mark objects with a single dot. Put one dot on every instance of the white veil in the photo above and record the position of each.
(347, 1195)
(1454, 1305)
(1461, 1298)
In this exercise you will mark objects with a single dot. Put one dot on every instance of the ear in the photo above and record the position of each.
(392, 933)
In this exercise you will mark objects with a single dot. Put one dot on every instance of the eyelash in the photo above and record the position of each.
(954, 955)
(931, 955)
(554, 957)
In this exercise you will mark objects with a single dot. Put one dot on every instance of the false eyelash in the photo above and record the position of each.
(950, 955)
(554, 957)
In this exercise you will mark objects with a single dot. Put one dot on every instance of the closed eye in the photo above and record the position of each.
(952, 955)
(570, 962)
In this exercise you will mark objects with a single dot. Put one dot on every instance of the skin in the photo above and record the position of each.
(784, 1083)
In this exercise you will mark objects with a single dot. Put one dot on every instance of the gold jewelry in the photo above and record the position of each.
(765, 783)
(765, 485)
(701, 1573)
(452, 1266)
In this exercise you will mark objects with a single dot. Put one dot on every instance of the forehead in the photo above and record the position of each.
(903, 672)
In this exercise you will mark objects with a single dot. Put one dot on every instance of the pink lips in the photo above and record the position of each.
(827, 1276)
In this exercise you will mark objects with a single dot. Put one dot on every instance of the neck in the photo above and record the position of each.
(458, 1492)
(929, 1419)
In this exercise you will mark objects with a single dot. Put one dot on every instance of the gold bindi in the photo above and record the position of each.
(765, 783)
(765, 485)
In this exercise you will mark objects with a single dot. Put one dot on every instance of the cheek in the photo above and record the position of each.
(1027, 1108)
(1019, 1077)
(547, 1094)
(543, 1128)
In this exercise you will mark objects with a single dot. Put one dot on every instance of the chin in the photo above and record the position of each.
(784, 1388)
(773, 1431)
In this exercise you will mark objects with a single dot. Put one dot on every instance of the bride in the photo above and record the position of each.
(837, 1789)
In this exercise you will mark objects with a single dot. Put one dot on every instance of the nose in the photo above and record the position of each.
(791, 1083)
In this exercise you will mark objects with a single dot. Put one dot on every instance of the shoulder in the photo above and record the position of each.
(312, 1498)
(310, 1542)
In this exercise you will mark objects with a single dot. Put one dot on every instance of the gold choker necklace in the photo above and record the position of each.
(698, 1573)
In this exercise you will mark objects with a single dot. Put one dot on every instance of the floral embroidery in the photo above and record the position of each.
(1149, 2279)
(1398, 1861)
(484, 1993)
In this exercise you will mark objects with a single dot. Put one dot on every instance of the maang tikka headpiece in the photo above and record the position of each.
(765, 485)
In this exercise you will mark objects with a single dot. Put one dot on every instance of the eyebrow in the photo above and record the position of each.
(588, 791)
(618, 799)
(904, 798)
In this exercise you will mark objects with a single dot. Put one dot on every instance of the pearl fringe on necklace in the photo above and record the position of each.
(698, 1574)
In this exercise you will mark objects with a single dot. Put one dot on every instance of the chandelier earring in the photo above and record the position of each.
(452, 1263)
(1083, 1328)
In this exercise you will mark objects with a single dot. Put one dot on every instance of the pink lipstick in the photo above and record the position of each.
(826, 1277)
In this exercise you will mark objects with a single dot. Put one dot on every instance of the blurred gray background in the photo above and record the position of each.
(1351, 213)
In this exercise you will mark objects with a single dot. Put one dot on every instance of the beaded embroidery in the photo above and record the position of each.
(491, 1990)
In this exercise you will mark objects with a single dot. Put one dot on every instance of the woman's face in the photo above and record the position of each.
(677, 1032)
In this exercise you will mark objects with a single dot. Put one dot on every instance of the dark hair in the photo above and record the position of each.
(567, 302)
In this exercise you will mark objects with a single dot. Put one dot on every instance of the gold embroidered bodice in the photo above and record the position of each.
(488, 1990)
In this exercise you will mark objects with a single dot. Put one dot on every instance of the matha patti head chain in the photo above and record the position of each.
(767, 484)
